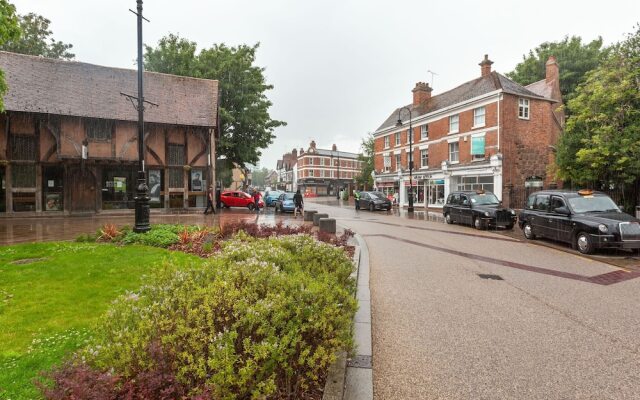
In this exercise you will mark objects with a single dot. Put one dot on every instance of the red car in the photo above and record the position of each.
(237, 198)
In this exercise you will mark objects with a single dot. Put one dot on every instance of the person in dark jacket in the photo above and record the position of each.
(210, 201)
(298, 203)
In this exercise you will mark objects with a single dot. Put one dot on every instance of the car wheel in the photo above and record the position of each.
(584, 243)
(372, 207)
(447, 218)
(478, 224)
(527, 229)
(251, 206)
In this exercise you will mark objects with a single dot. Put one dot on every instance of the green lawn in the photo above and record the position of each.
(48, 307)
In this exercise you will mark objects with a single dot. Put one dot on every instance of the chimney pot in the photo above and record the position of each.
(334, 147)
(421, 93)
(485, 66)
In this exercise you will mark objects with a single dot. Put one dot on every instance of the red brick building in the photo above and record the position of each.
(68, 138)
(489, 133)
(325, 172)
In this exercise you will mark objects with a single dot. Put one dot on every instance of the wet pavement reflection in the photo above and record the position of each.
(25, 230)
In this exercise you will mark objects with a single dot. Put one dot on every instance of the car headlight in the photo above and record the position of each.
(513, 212)
(603, 228)
(486, 213)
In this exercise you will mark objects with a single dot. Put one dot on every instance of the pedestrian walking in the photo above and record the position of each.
(298, 203)
(210, 196)
(256, 200)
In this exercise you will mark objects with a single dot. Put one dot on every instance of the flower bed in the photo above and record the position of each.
(262, 317)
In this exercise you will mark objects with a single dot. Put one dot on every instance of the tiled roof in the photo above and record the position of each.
(466, 91)
(43, 85)
(323, 152)
(541, 88)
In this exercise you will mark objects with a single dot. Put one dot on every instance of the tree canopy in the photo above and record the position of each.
(245, 124)
(365, 179)
(575, 59)
(601, 142)
(35, 39)
(9, 30)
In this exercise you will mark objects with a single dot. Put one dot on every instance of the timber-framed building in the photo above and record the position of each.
(68, 138)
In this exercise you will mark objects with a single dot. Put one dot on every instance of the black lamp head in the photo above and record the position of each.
(399, 123)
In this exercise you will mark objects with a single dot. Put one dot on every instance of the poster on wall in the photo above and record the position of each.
(119, 184)
(155, 180)
(196, 180)
(52, 202)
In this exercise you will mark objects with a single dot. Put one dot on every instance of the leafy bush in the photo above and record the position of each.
(264, 319)
(158, 236)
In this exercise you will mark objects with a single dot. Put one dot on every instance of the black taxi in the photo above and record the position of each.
(586, 219)
(477, 208)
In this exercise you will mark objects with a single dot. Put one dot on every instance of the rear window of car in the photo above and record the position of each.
(288, 196)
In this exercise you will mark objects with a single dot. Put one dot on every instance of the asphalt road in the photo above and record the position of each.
(556, 326)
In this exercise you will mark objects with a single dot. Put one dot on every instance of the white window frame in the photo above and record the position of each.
(479, 113)
(387, 141)
(455, 118)
(386, 168)
(398, 160)
(424, 165)
(457, 152)
(524, 110)
(398, 138)
(424, 132)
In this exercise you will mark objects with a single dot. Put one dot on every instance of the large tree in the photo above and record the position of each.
(36, 39)
(575, 59)
(245, 124)
(9, 30)
(364, 179)
(601, 143)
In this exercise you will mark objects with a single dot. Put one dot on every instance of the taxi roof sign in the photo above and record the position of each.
(585, 192)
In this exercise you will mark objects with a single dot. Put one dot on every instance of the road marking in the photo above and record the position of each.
(605, 279)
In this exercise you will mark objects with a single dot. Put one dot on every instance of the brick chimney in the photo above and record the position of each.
(295, 153)
(334, 148)
(301, 151)
(552, 70)
(485, 66)
(421, 93)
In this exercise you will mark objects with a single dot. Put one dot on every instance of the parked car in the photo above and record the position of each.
(586, 219)
(285, 203)
(374, 201)
(479, 209)
(271, 196)
(237, 198)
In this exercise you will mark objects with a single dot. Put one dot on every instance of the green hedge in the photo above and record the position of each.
(264, 318)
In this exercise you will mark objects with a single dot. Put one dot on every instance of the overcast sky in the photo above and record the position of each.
(339, 67)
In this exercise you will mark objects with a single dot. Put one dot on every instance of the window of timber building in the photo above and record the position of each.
(23, 173)
(176, 162)
(118, 187)
(98, 129)
(52, 188)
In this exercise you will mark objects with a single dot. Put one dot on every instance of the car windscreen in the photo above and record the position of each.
(484, 199)
(378, 195)
(586, 204)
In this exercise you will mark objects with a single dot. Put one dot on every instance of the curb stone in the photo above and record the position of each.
(352, 378)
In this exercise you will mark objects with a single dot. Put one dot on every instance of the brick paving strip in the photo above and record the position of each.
(606, 279)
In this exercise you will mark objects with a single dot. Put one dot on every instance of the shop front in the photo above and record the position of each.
(436, 193)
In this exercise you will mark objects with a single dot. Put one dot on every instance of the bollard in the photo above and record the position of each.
(327, 225)
(308, 215)
(317, 216)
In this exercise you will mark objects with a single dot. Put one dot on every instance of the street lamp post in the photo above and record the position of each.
(142, 195)
(410, 133)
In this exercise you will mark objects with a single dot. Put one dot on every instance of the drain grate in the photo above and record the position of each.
(491, 276)
(360, 362)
